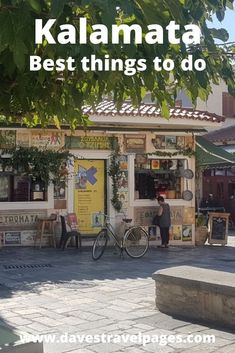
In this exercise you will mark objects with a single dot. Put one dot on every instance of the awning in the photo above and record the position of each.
(209, 155)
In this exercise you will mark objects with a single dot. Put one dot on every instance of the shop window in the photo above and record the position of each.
(15, 188)
(158, 177)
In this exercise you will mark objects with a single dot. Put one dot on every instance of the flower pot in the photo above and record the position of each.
(201, 235)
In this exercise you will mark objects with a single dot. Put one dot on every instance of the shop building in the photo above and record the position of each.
(219, 174)
(156, 157)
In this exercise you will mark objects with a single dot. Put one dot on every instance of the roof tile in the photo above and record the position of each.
(108, 108)
(223, 135)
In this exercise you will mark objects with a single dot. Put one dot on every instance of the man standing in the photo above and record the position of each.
(164, 214)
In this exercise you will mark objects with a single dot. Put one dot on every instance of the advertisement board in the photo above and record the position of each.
(89, 194)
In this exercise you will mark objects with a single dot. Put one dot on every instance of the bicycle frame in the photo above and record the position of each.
(108, 226)
(125, 242)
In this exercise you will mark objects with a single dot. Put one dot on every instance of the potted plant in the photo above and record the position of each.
(201, 231)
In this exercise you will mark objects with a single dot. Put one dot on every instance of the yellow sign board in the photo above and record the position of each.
(89, 194)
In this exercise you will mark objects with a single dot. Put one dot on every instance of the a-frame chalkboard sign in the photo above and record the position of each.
(218, 228)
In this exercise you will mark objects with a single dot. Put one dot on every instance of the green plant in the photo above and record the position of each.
(201, 220)
(114, 173)
(189, 152)
(40, 164)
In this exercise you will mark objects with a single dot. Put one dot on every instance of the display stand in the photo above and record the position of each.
(218, 228)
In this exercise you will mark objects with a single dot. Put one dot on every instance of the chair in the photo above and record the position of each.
(68, 235)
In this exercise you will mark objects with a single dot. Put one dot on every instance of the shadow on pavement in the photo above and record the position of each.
(27, 269)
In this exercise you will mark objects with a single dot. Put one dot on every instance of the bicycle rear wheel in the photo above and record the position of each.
(99, 244)
(136, 242)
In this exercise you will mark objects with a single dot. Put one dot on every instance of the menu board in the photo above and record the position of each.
(218, 228)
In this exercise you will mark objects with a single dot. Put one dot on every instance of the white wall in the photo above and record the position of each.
(214, 104)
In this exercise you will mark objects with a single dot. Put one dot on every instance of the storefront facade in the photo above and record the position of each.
(155, 158)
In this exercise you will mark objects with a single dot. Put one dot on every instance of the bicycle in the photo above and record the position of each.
(135, 240)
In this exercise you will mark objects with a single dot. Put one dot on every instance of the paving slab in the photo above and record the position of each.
(112, 296)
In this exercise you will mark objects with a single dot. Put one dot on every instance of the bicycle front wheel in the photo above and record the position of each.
(136, 242)
(99, 244)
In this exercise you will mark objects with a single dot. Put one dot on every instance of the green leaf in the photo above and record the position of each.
(56, 122)
(220, 14)
(221, 34)
(19, 51)
(229, 4)
(165, 110)
(57, 7)
(35, 4)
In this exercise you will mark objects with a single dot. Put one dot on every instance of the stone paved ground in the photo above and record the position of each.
(116, 296)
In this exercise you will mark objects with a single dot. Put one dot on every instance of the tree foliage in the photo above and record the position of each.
(43, 97)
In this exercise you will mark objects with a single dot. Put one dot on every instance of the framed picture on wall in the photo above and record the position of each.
(159, 142)
(176, 232)
(135, 143)
(180, 141)
(170, 142)
(155, 164)
(187, 232)
(188, 142)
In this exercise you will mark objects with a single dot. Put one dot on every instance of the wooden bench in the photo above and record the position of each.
(197, 293)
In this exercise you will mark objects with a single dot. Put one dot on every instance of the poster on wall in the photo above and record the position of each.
(155, 164)
(123, 162)
(89, 194)
(189, 215)
(177, 214)
(135, 143)
(187, 232)
(159, 142)
(46, 139)
(180, 141)
(144, 215)
(188, 142)
(123, 197)
(176, 232)
(28, 236)
(122, 184)
(170, 142)
(123, 181)
(12, 238)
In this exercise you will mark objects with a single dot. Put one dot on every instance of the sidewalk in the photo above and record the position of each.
(50, 291)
